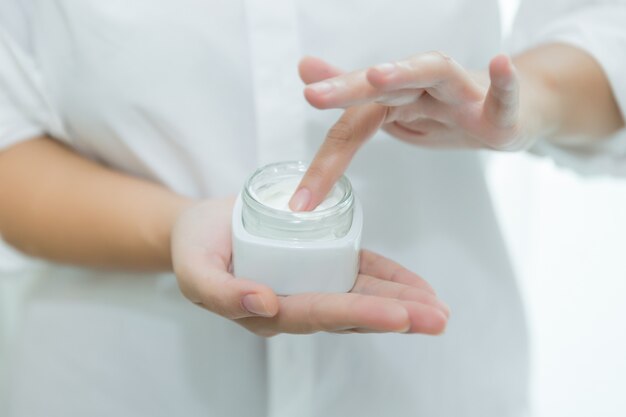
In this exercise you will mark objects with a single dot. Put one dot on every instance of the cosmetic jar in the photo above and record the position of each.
(295, 252)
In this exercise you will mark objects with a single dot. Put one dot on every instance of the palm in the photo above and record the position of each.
(386, 297)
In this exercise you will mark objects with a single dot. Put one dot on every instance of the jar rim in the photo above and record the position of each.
(344, 204)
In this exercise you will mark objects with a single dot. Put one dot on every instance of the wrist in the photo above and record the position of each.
(159, 236)
(539, 104)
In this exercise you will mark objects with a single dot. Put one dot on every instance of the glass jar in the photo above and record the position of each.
(265, 211)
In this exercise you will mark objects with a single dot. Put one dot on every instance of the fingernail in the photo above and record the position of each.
(321, 88)
(386, 68)
(444, 308)
(300, 200)
(254, 304)
(400, 315)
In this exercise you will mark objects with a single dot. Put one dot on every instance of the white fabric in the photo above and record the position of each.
(598, 28)
(194, 94)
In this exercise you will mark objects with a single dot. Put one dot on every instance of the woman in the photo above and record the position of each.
(128, 127)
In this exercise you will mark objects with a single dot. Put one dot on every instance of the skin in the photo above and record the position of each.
(553, 91)
(58, 205)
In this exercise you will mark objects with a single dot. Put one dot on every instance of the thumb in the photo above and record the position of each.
(230, 297)
(502, 101)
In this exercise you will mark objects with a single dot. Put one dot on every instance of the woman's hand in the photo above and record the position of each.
(558, 92)
(385, 298)
(428, 100)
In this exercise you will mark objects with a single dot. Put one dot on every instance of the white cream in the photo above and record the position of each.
(277, 195)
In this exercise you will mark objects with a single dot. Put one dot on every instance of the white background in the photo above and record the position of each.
(568, 239)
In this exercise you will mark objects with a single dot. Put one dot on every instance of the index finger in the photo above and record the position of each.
(354, 127)
(341, 91)
(434, 71)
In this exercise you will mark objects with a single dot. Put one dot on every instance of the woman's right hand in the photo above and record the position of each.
(385, 298)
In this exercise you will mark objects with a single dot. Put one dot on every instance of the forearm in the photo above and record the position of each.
(565, 95)
(57, 205)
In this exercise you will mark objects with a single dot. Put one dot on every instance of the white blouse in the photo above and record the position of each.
(195, 94)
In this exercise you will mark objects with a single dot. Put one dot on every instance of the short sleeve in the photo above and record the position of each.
(24, 110)
(599, 28)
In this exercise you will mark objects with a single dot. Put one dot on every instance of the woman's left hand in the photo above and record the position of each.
(428, 100)
(386, 297)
